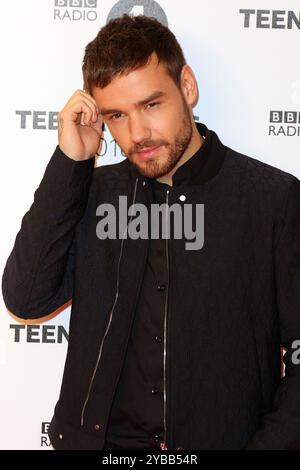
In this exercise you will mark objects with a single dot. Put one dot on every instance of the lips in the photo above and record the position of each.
(148, 152)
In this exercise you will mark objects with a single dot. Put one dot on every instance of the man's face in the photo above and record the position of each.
(148, 116)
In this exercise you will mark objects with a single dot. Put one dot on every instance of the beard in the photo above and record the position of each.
(158, 167)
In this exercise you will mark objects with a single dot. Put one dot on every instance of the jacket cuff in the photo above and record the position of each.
(66, 170)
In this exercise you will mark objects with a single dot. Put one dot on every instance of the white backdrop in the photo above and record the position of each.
(245, 55)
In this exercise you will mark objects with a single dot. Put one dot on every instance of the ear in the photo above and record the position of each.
(189, 85)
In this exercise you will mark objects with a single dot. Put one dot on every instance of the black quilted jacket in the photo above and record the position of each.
(232, 304)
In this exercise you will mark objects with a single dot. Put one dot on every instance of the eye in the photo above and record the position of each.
(152, 104)
(114, 117)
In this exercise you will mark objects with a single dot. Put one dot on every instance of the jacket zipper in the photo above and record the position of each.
(110, 317)
(163, 445)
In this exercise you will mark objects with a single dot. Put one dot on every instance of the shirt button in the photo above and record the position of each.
(182, 197)
(144, 183)
(158, 339)
(97, 427)
(161, 287)
(60, 436)
(156, 438)
(154, 390)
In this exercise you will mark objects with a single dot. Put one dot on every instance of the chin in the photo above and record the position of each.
(152, 172)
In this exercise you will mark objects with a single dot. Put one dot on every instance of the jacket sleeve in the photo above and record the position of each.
(38, 276)
(281, 427)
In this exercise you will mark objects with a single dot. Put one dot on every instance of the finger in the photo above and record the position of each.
(88, 112)
(81, 95)
(89, 97)
(98, 125)
(81, 112)
(94, 109)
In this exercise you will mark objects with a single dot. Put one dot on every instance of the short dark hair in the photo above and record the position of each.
(125, 44)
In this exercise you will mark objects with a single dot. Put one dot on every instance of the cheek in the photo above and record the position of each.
(165, 129)
(167, 123)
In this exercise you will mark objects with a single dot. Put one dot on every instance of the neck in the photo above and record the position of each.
(194, 146)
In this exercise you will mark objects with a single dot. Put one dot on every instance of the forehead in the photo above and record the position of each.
(135, 85)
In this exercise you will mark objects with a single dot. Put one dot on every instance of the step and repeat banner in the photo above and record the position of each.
(245, 55)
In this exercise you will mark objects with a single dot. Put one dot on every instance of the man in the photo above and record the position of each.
(169, 347)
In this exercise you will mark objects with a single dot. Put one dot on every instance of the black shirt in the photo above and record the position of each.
(137, 414)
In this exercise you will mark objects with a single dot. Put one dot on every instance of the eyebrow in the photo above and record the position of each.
(153, 96)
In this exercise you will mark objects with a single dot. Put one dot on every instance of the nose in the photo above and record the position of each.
(139, 130)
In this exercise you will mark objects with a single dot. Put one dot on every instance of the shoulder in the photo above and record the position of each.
(259, 176)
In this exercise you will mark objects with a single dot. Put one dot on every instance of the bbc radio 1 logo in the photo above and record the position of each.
(45, 441)
(284, 123)
(138, 7)
(75, 10)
